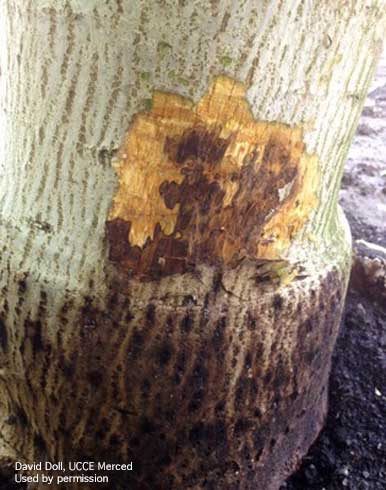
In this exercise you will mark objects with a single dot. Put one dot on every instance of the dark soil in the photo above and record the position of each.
(351, 450)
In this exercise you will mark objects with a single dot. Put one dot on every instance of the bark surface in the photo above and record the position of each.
(173, 260)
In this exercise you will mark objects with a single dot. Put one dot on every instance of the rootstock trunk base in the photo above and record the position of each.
(224, 387)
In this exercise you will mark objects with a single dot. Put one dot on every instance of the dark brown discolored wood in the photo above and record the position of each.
(214, 188)
(203, 222)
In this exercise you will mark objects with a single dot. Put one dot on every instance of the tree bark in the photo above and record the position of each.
(174, 261)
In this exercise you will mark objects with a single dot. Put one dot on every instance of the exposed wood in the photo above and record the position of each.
(208, 184)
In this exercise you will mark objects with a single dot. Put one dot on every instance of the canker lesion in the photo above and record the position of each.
(207, 183)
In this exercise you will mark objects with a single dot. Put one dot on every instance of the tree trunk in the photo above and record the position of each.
(174, 261)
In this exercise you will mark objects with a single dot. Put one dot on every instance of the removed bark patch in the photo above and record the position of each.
(207, 183)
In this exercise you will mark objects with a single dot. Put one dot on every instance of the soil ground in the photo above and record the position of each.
(351, 449)
(350, 452)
